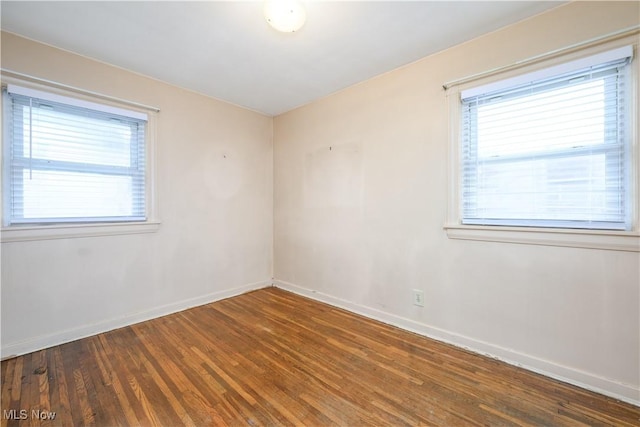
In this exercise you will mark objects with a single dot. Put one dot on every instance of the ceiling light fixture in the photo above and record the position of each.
(287, 16)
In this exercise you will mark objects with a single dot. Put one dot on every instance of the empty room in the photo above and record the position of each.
(312, 213)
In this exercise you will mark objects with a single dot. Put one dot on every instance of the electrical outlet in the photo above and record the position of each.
(418, 298)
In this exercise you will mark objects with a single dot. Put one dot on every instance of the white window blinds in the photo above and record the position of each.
(550, 150)
(68, 160)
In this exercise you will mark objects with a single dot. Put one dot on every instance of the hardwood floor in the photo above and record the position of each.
(270, 357)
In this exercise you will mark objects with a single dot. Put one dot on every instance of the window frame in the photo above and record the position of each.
(30, 231)
(621, 240)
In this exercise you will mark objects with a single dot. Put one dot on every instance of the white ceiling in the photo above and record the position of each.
(226, 49)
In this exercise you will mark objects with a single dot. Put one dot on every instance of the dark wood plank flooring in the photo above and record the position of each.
(273, 358)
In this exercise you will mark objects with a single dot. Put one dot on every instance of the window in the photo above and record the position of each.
(67, 160)
(550, 148)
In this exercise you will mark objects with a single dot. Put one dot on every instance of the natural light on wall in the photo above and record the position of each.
(287, 16)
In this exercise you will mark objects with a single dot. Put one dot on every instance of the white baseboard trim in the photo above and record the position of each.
(46, 341)
(586, 380)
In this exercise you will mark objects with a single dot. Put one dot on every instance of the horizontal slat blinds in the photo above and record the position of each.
(73, 161)
(551, 152)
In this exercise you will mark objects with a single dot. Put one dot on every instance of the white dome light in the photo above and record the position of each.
(287, 16)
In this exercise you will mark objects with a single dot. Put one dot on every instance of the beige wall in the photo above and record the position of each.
(361, 200)
(216, 234)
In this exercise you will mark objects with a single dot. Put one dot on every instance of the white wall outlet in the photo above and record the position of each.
(418, 298)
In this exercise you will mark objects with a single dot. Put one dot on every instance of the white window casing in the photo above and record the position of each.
(75, 166)
(530, 165)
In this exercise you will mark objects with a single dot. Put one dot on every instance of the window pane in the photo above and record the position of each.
(57, 135)
(55, 194)
(549, 153)
(69, 163)
(571, 189)
(555, 119)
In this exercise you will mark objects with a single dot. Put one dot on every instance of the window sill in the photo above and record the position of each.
(590, 239)
(72, 231)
